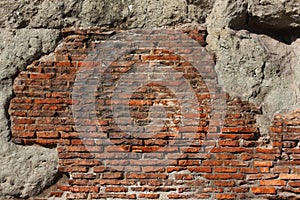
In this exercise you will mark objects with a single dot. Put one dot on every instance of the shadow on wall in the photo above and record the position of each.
(253, 24)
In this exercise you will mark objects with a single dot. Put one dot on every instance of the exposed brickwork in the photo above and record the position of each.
(154, 166)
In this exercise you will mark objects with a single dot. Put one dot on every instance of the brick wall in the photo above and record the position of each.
(206, 147)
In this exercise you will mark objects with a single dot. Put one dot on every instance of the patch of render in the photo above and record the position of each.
(24, 171)
(253, 66)
(122, 14)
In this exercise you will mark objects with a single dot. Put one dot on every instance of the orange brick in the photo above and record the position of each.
(23, 121)
(224, 176)
(225, 170)
(263, 190)
(149, 196)
(294, 183)
(224, 183)
(41, 76)
(263, 163)
(273, 182)
(48, 134)
(200, 169)
(289, 176)
(229, 143)
(226, 196)
(116, 189)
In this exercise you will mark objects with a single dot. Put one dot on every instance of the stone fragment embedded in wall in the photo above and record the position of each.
(255, 67)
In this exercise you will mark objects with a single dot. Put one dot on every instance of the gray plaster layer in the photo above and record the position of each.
(24, 171)
(86, 13)
(253, 66)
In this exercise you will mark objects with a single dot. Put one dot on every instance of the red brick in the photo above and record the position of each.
(116, 189)
(177, 196)
(24, 134)
(149, 196)
(226, 196)
(48, 134)
(231, 149)
(76, 196)
(146, 176)
(41, 76)
(269, 151)
(289, 176)
(172, 169)
(23, 121)
(273, 182)
(18, 113)
(246, 157)
(199, 169)
(263, 190)
(152, 169)
(278, 169)
(151, 182)
(238, 130)
(229, 136)
(229, 143)
(224, 176)
(267, 156)
(262, 163)
(72, 169)
(224, 183)
(75, 155)
(261, 176)
(294, 183)
(160, 57)
(264, 169)
(48, 101)
(249, 170)
(80, 189)
(113, 175)
(183, 177)
(234, 163)
(225, 170)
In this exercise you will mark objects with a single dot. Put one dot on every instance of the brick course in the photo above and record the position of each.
(150, 166)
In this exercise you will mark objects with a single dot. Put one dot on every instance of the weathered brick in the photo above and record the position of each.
(229, 143)
(226, 196)
(225, 170)
(149, 196)
(289, 176)
(263, 190)
(273, 182)
(262, 163)
(116, 189)
(224, 183)
(224, 176)
(294, 183)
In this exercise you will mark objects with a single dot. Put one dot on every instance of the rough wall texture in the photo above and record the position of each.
(256, 48)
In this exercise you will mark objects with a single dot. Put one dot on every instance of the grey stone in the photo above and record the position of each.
(19, 47)
(24, 171)
(123, 14)
(275, 14)
(253, 66)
